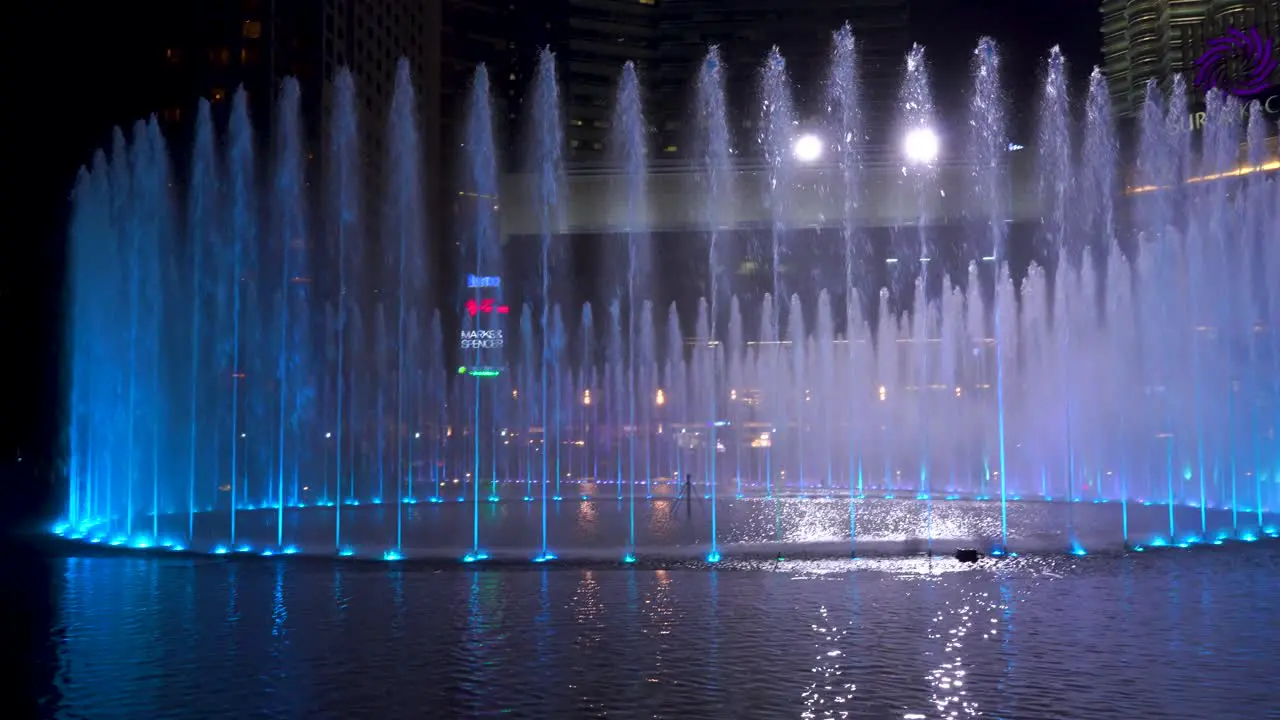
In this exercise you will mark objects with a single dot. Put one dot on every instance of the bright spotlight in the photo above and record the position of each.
(807, 148)
(921, 146)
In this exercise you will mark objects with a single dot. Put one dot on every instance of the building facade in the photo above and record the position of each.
(746, 30)
(1144, 40)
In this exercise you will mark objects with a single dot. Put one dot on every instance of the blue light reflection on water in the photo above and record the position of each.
(1172, 634)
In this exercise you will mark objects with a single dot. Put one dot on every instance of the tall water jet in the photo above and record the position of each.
(1258, 218)
(990, 173)
(344, 221)
(1099, 190)
(630, 142)
(481, 256)
(844, 108)
(1054, 165)
(204, 213)
(716, 169)
(1157, 168)
(547, 165)
(919, 130)
(290, 241)
(404, 226)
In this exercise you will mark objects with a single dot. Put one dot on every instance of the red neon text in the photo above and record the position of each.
(486, 306)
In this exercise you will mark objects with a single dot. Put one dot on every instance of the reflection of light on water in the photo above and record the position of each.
(953, 625)
(829, 689)
(278, 612)
(658, 609)
(587, 513)
(588, 610)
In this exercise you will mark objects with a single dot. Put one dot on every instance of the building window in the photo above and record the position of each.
(252, 29)
(218, 95)
(172, 55)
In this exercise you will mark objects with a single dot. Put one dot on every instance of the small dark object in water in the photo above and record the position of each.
(967, 555)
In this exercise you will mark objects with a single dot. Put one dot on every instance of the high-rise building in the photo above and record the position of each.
(505, 37)
(212, 48)
(1144, 40)
(600, 36)
(745, 30)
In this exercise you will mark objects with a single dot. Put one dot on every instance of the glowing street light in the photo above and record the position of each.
(807, 148)
(921, 146)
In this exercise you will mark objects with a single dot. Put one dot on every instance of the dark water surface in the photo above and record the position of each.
(1170, 634)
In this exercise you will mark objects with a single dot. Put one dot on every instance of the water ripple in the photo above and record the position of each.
(1173, 636)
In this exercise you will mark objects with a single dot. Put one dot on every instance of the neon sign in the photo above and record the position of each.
(482, 339)
(479, 371)
(483, 281)
(486, 307)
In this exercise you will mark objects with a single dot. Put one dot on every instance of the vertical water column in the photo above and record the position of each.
(1157, 168)
(165, 339)
(204, 216)
(630, 141)
(1218, 273)
(844, 103)
(547, 162)
(481, 257)
(733, 377)
(95, 276)
(404, 227)
(989, 145)
(1257, 220)
(290, 239)
(670, 403)
(243, 238)
(920, 146)
(1100, 185)
(148, 189)
(715, 167)
(778, 123)
(1054, 172)
(344, 221)
(587, 346)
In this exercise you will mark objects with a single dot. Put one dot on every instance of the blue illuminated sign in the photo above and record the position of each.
(483, 281)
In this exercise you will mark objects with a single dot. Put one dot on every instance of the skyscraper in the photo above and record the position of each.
(745, 30)
(1147, 40)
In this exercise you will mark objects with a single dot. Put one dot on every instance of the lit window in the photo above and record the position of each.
(648, 2)
(218, 95)
(670, 148)
(172, 55)
(252, 29)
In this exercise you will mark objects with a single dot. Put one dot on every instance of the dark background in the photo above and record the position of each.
(72, 70)
(75, 69)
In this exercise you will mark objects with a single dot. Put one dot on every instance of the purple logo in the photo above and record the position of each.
(1253, 55)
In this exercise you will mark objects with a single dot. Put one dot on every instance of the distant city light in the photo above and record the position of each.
(807, 148)
(921, 146)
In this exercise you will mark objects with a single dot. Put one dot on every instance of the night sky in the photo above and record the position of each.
(75, 69)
